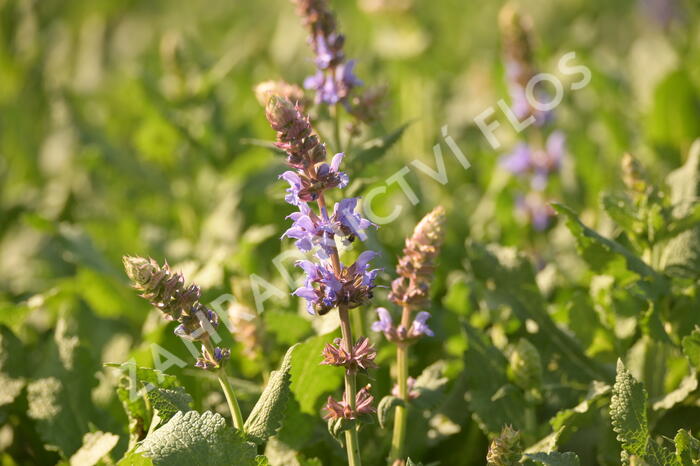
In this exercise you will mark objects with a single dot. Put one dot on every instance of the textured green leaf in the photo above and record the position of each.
(691, 348)
(628, 412)
(191, 438)
(555, 458)
(268, 413)
(166, 402)
(95, 446)
(310, 380)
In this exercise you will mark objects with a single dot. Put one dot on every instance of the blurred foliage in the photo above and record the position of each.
(132, 128)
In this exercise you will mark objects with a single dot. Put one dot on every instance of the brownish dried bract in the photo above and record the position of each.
(417, 266)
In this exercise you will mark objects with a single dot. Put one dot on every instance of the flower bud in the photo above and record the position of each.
(505, 450)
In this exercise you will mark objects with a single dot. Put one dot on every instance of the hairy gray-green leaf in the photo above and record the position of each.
(268, 413)
(555, 458)
(190, 438)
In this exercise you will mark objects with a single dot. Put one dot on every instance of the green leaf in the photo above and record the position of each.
(188, 438)
(567, 418)
(166, 402)
(512, 282)
(410, 462)
(628, 412)
(555, 458)
(691, 348)
(268, 413)
(680, 394)
(139, 383)
(12, 366)
(682, 254)
(310, 380)
(59, 397)
(602, 253)
(95, 446)
(623, 212)
(674, 119)
(132, 458)
(385, 408)
(430, 386)
(373, 150)
(687, 448)
(492, 400)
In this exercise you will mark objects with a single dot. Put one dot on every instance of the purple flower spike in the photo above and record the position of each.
(518, 162)
(419, 326)
(385, 323)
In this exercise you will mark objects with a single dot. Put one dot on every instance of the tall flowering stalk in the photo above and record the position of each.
(329, 284)
(166, 291)
(411, 291)
(540, 155)
(334, 81)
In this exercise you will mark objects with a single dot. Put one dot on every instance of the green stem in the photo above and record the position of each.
(400, 419)
(351, 441)
(231, 399)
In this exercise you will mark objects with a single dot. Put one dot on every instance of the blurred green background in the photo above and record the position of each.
(132, 128)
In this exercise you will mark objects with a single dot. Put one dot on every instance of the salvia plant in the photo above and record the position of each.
(299, 285)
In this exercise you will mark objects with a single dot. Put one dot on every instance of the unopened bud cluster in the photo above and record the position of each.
(505, 450)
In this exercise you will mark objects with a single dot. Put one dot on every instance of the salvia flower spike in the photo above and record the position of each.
(167, 291)
(328, 282)
(411, 291)
(335, 77)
